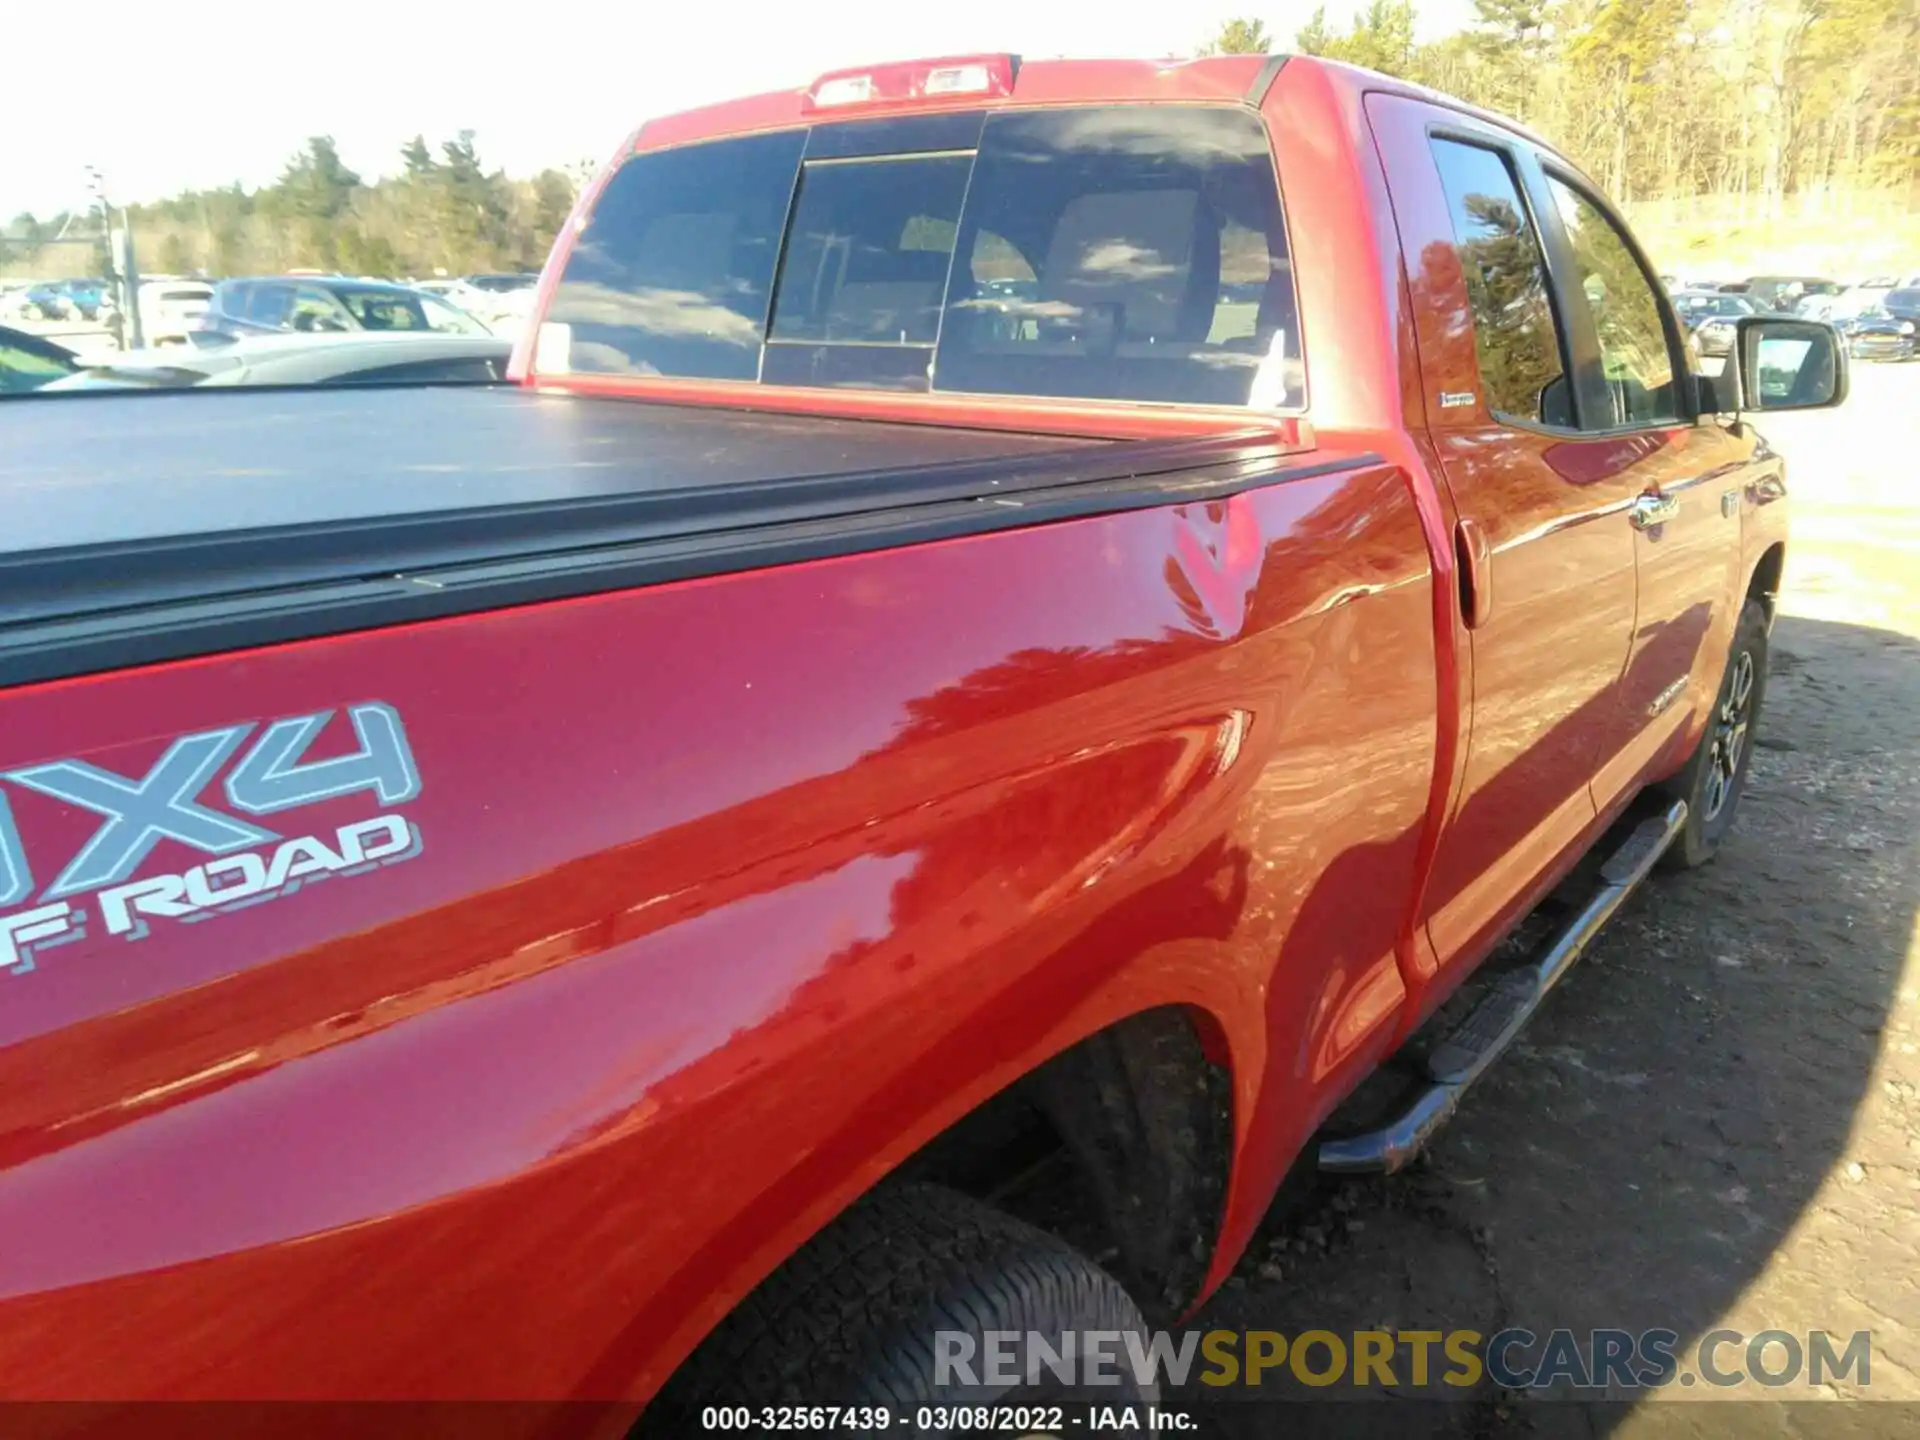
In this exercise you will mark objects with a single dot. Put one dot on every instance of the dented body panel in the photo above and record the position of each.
(672, 854)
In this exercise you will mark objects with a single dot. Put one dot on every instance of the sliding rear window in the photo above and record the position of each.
(1118, 252)
(673, 273)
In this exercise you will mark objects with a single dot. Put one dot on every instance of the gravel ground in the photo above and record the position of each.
(1715, 1122)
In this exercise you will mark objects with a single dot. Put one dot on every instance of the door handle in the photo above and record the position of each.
(1650, 511)
(1475, 562)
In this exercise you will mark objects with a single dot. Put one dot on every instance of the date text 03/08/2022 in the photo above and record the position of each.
(1028, 1421)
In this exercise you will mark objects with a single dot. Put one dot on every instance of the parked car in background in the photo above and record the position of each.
(45, 300)
(85, 299)
(1778, 294)
(29, 362)
(1712, 318)
(1695, 306)
(1853, 300)
(60, 300)
(422, 358)
(1877, 334)
(330, 304)
(170, 308)
(502, 301)
(1903, 303)
(507, 284)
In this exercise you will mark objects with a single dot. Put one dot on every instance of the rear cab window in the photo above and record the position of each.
(1129, 252)
(674, 273)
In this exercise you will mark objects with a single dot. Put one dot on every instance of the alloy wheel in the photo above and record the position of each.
(1729, 742)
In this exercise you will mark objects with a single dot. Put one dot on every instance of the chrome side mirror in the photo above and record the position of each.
(1789, 364)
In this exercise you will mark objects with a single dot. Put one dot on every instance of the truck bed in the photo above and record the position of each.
(152, 526)
(108, 469)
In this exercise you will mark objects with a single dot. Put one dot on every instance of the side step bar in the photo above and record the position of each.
(1469, 1051)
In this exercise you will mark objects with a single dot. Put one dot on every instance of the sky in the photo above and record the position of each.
(162, 98)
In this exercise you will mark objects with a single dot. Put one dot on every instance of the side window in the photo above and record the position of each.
(996, 262)
(1513, 326)
(380, 310)
(449, 319)
(315, 309)
(1002, 291)
(269, 304)
(1633, 343)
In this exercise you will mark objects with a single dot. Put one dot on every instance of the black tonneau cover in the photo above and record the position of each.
(99, 469)
(146, 526)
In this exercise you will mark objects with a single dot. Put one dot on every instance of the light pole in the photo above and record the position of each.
(120, 258)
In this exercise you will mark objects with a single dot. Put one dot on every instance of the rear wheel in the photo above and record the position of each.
(861, 1315)
(1716, 776)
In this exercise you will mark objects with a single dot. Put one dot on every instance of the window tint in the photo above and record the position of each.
(269, 304)
(1633, 342)
(673, 273)
(23, 369)
(1513, 325)
(868, 250)
(449, 319)
(383, 309)
(316, 310)
(1698, 307)
(1129, 253)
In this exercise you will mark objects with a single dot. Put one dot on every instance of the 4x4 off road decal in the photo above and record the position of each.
(249, 864)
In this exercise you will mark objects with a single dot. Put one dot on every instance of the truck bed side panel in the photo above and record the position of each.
(723, 897)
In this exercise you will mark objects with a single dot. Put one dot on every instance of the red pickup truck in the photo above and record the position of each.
(1015, 616)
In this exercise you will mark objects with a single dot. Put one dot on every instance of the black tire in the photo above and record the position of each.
(851, 1318)
(1716, 775)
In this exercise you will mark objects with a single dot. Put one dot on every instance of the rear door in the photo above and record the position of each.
(1685, 472)
(1543, 528)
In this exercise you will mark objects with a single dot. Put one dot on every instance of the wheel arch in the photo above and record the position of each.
(1138, 1116)
(1764, 583)
(1141, 1111)
(1145, 1109)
